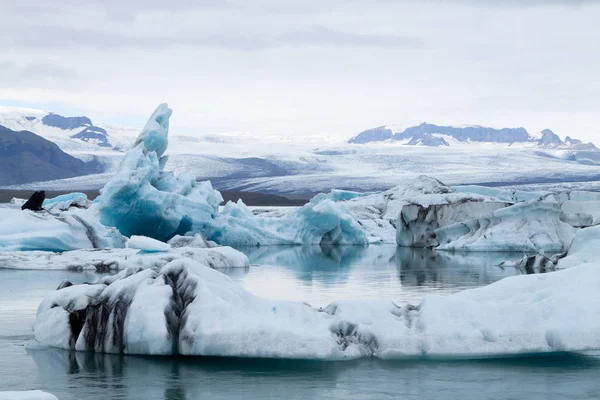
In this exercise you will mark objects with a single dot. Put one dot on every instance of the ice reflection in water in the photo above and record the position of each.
(322, 274)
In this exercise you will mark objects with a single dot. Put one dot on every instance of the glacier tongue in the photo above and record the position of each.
(187, 308)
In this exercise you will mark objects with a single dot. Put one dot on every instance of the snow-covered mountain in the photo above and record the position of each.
(303, 165)
(27, 157)
(435, 135)
(71, 134)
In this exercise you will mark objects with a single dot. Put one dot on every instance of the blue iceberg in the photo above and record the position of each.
(144, 199)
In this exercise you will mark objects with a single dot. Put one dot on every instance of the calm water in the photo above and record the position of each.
(308, 274)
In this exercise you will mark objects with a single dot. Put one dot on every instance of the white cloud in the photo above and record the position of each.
(296, 67)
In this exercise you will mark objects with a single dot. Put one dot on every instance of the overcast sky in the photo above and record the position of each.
(331, 67)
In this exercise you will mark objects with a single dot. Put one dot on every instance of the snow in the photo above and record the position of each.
(27, 395)
(187, 308)
(146, 244)
(312, 164)
(528, 227)
(120, 259)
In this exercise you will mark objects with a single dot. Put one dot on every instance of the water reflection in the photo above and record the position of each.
(319, 274)
(91, 376)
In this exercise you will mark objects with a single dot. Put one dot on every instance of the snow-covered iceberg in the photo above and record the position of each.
(104, 260)
(189, 309)
(144, 199)
(532, 227)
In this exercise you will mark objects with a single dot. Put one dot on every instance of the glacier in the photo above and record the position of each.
(189, 309)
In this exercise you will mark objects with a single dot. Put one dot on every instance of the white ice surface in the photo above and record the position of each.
(525, 227)
(146, 244)
(119, 259)
(70, 230)
(545, 313)
(585, 249)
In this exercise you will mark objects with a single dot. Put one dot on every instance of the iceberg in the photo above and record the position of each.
(377, 213)
(143, 199)
(63, 202)
(189, 309)
(419, 220)
(105, 260)
(535, 226)
(146, 244)
(585, 249)
(537, 264)
(76, 229)
(27, 395)
(512, 196)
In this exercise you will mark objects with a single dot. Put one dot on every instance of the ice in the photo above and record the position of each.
(66, 201)
(146, 244)
(187, 308)
(76, 229)
(585, 249)
(418, 220)
(321, 221)
(344, 195)
(120, 259)
(526, 227)
(515, 196)
(27, 395)
(144, 199)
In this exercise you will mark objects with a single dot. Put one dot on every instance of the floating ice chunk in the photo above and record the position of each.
(418, 221)
(75, 229)
(537, 264)
(146, 244)
(63, 202)
(584, 249)
(17, 202)
(187, 308)
(321, 221)
(27, 395)
(190, 241)
(527, 227)
(344, 195)
(120, 259)
(514, 196)
(377, 213)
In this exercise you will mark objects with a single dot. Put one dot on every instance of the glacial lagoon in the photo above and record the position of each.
(301, 273)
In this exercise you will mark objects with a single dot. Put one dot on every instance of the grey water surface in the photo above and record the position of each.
(315, 275)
